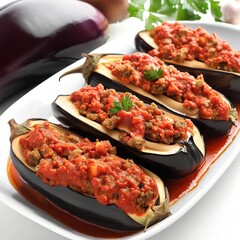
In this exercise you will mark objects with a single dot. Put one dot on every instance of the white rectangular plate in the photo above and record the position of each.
(37, 103)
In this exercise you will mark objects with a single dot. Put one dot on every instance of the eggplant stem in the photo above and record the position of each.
(18, 129)
(160, 211)
(233, 115)
(87, 67)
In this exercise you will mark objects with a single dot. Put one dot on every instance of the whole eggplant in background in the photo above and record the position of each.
(39, 38)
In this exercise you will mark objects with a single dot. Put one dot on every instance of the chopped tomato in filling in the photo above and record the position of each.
(194, 93)
(91, 168)
(178, 42)
(138, 123)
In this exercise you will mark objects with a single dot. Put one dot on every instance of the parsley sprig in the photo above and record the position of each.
(156, 11)
(153, 74)
(124, 104)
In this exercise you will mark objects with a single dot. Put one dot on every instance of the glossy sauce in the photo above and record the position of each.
(214, 148)
(177, 188)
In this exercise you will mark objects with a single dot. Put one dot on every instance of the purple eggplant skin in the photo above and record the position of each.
(227, 83)
(39, 38)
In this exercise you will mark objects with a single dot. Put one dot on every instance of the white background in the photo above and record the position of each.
(216, 216)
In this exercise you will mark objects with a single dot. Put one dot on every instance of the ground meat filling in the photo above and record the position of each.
(194, 93)
(138, 123)
(178, 42)
(91, 168)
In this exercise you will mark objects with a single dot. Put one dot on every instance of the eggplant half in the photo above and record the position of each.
(170, 160)
(39, 38)
(226, 82)
(85, 207)
(94, 71)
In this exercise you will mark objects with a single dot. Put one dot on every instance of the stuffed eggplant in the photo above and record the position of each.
(197, 52)
(163, 142)
(152, 80)
(39, 38)
(87, 178)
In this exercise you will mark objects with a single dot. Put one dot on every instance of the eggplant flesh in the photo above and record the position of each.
(94, 71)
(171, 161)
(50, 36)
(83, 206)
(226, 82)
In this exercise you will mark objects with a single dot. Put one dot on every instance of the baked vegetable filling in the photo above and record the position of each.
(136, 120)
(154, 76)
(91, 168)
(178, 42)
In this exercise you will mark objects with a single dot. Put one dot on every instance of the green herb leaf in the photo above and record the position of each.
(124, 104)
(117, 107)
(153, 19)
(187, 13)
(215, 10)
(153, 74)
(153, 12)
(199, 6)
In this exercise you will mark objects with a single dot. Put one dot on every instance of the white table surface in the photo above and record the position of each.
(216, 216)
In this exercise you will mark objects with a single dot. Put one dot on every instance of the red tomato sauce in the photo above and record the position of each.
(124, 111)
(178, 42)
(92, 168)
(194, 93)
